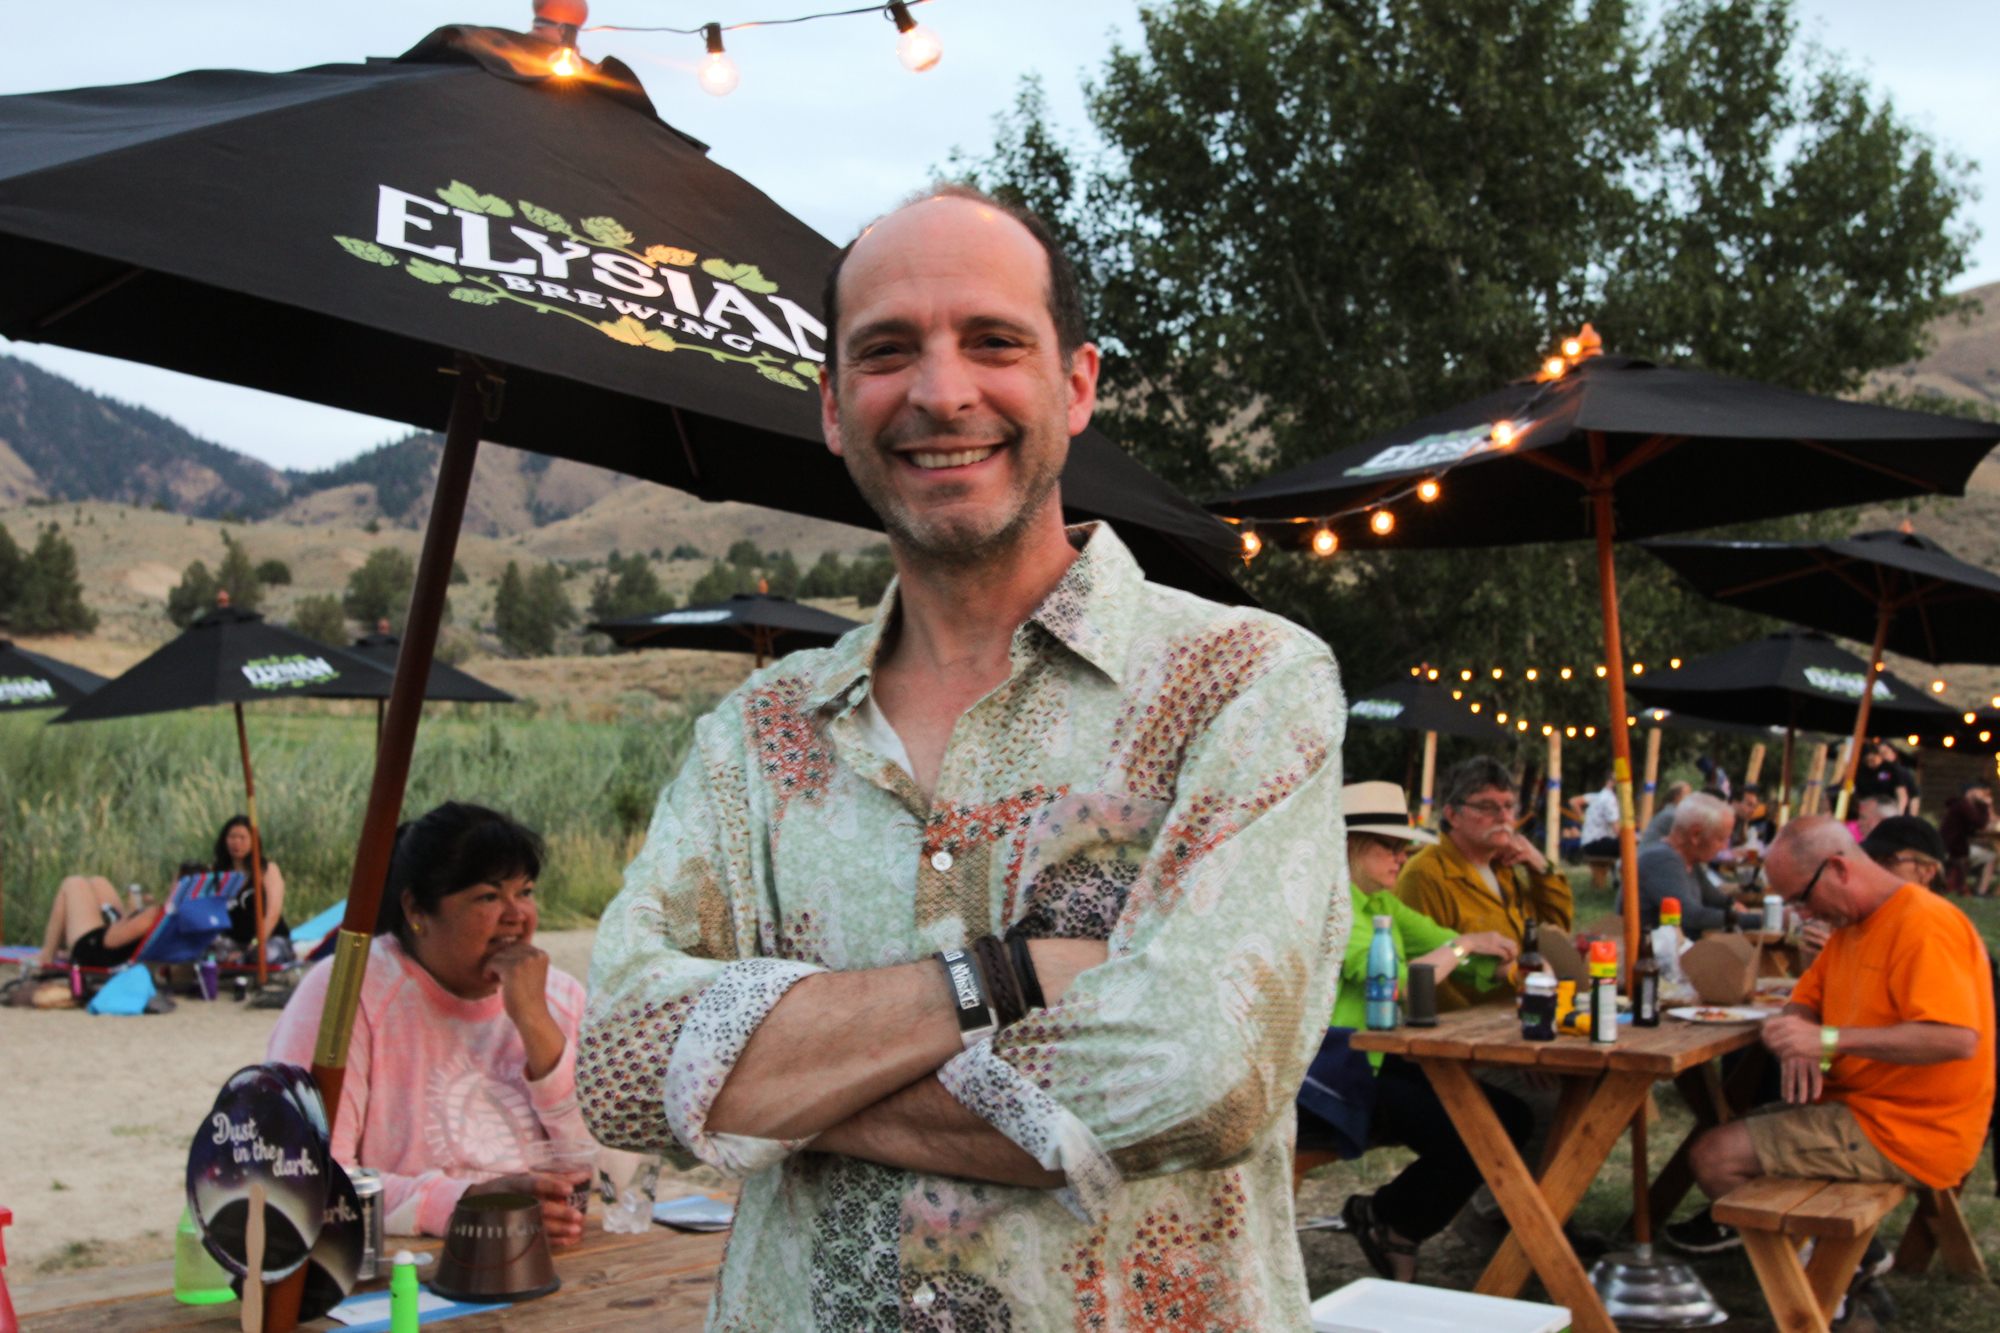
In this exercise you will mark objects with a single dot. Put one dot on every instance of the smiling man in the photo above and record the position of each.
(988, 945)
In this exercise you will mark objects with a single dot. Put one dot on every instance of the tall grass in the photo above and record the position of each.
(132, 799)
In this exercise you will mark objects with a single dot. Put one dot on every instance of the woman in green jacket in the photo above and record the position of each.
(1390, 1224)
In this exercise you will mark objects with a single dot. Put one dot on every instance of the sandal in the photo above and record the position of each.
(1377, 1244)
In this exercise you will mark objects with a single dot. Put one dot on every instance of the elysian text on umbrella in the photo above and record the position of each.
(1905, 592)
(1587, 423)
(1418, 705)
(756, 623)
(30, 680)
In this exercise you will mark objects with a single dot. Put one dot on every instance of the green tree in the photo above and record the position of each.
(1309, 223)
(720, 583)
(826, 578)
(743, 553)
(11, 562)
(868, 577)
(380, 588)
(320, 617)
(192, 596)
(509, 598)
(237, 576)
(50, 597)
(530, 613)
(628, 587)
(273, 573)
(781, 574)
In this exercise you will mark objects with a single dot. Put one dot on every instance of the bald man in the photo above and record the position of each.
(989, 946)
(1886, 1048)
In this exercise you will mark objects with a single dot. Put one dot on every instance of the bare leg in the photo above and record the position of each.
(1723, 1158)
(78, 909)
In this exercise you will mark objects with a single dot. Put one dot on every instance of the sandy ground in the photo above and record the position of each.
(96, 1115)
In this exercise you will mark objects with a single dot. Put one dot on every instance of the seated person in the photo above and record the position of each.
(1908, 847)
(1885, 1049)
(464, 1050)
(1391, 1223)
(1662, 821)
(1482, 875)
(1754, 826)
(91, 927)
(1869, 810)
(1599, 812)
(1966, 815)
(1676, 868)
(232, 853)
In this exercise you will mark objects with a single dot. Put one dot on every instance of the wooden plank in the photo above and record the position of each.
(1575, 1165)
(1764, 1203)
(1953, 1237)
(37, 1295)
(1844, 1208)
(1919, 1242)
(1832, 1268)
(1535, 1222)
(1575, 1095)
(1793, 1306)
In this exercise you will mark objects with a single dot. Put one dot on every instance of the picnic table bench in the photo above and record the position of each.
(1777, 1214)
(661, 1280)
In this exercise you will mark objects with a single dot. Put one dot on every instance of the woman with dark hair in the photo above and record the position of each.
(233, 847)
(464, 1051)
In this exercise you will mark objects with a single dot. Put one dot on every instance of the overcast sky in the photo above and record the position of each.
(825, 119)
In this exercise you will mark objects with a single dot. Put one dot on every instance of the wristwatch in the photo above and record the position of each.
(1829, 1042)
(976, 1021)
(1458, 951)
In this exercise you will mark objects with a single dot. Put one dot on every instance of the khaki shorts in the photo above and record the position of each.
(1819, 1142)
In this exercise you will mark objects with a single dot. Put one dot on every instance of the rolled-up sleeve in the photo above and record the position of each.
(1185, 1046)
(675, 988)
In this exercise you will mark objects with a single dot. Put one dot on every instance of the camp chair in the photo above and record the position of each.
(197, 911)
(313, 938)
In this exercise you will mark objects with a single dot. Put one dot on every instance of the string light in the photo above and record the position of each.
(1570, 732)
(1970, 718)
(1522, 725)
(1603, 671)
(1995, 701)
(1458, 694)
(1382, 522)
(1638, 668)
(918, 48)
(1502, 434)
(1501, 718)
(1659, 715)
(1589, 732)
(1432, 674)
(1949, 741)
(1937, 687)
(1428, 490)
(1498, 672)
(1548, 730)
(1554, 367)
(1985, 736)
(1252, 544)
(1572, 348)
(1324, 542)
(717, 73)
(1474, 705)
(1465, 674)
(1912, 739)
(1533, 674)
(1674, 663)
(1565, 673)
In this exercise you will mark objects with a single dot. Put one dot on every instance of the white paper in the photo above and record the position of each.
(374, 1306)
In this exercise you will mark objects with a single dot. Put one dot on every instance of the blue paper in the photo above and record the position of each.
(433, 1309)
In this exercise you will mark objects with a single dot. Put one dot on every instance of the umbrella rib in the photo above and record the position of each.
(1909, 479)
(1641, 456)
(70, 307)
(1557, 466)
(687, 448)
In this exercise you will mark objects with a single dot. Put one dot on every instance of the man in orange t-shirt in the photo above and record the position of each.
(1886, 1048)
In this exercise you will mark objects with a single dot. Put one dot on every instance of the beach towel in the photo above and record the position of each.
(127, 992)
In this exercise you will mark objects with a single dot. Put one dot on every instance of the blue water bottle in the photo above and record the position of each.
(1382, 977)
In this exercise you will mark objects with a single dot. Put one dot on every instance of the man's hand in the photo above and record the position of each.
(1517, 850)
(1491, 943)
(1059, 962)
(1793, 1037)
(1799, 1080)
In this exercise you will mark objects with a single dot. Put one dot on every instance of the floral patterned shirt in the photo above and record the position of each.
(1156, 771)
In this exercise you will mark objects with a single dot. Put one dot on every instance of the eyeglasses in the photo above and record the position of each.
(1805, 895)
(1916, 861)
(1492, 809)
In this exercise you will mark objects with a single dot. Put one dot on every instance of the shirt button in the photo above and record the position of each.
(940, 860)
(925, 1296)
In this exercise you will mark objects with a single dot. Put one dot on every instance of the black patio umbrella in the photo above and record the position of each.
(1896, 590)
(445, 684)
(1414, 704)
(30, 680)
(747, 623)
(463, 238)
(235, 657)
(1795, 679)
(1642, 444)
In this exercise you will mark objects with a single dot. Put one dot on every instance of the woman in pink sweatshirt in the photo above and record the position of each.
(464, 1050)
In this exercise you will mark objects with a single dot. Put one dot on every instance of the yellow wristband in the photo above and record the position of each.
(1458, 950)
(1829, 1042)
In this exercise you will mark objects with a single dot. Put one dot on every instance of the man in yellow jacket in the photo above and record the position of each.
(1482, 874)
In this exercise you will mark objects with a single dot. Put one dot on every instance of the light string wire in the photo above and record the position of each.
(700, 29)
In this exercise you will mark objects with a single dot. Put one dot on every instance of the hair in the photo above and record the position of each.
(1677, 791)
(1467, 778)
(1065, 293)
(448, 850)
(221, 862)
(1702, 811)
(1749, 789)
(1356, 841)
(1813, 838)
(1880, 800)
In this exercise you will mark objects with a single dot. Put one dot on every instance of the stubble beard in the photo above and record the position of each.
(947, 544)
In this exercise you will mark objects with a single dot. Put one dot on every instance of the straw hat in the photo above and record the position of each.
(1380, 808)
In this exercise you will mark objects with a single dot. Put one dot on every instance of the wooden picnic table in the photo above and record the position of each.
(660, 1280)
(1603, 1085)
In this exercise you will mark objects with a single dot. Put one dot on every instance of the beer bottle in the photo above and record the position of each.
(1646, 985)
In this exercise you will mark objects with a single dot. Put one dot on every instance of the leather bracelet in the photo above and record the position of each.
(1003, 984)
(1829, 1042)
(1024, 968)
(969, 995)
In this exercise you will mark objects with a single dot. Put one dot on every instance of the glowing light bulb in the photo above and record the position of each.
(1474, 705)
(1570, 732)
(1533, 674)
(1502, 434)
(1564, 673)
(1428, 490)
(1937, 687)
(565, 64)
(1382, 522)
(1572, 347)
(1548, 730)
(1324, 542)
(1985, 736)
(918, 48)
(717, 73)
(1995, 701)
(1912, 739)
(1457, 694)
(1498, 672)
(1970, 718)
(1602, 672)
(1638, 668)
(1554, 367)
(1416, 671)
(1252, 543)
(1465, 674)
(1674, 662)
(1501, 718)
(1659, 715)
(1521, 725)
(1631, 721)
(1589, 732)
(1949, 741)
(1432, 673)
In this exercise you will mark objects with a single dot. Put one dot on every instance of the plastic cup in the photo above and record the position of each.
(627, 1181)
(572, 1161)
(205, 972)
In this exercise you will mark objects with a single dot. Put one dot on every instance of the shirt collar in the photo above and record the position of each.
(1089, 611)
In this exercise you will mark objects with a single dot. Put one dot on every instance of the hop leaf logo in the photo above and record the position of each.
(747, 276)
(460, 195)
(779, 375)
(669, 254)
(367, 250)
(546, 218)
(608, 231)
(475, 296)
(423, 270)
(629, 330)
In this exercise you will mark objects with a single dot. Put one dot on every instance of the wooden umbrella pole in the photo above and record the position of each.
(1650, 791)
(1785, 778)
(256, 845)
(1815, 791)
(1621, 734)
(1755, 768)
(1853, 766)
(1430, 778)
(1552, 806)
